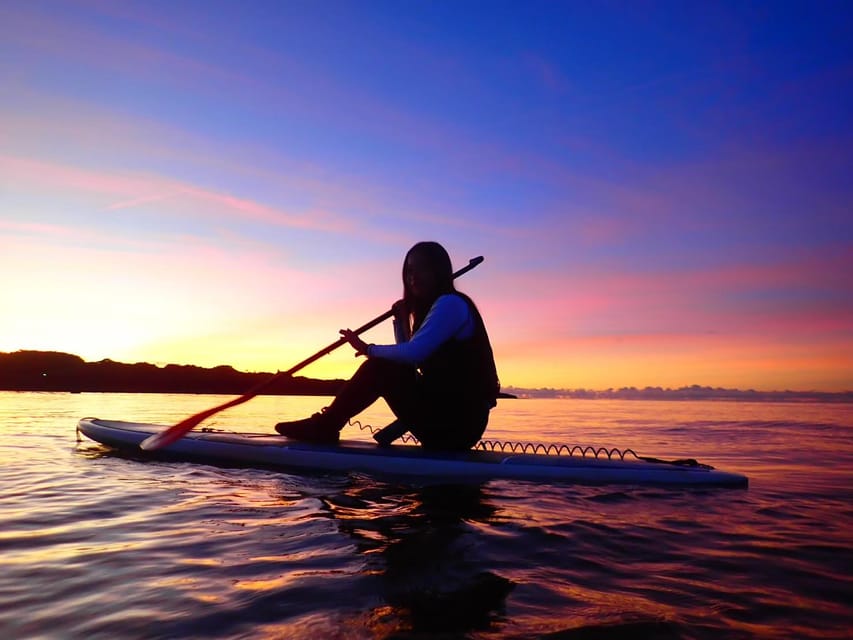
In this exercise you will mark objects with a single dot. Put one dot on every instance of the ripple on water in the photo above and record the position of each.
(104, 546)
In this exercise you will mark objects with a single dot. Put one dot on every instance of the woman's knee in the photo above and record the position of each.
(380, 367)
(391, 380)
(376, 372)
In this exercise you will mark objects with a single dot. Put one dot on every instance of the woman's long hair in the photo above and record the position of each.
(438, 262)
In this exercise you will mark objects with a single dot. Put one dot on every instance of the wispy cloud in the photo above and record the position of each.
(128, 186)
(134, 202)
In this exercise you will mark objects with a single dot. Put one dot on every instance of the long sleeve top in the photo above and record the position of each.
(449, 318)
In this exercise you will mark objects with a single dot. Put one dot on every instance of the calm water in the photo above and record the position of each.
(95, 545)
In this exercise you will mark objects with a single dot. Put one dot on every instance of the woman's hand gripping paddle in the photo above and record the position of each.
(176, 432)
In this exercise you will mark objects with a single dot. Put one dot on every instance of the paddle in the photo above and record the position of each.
(177, 431)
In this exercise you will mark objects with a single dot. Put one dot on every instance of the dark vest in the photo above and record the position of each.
(463, 372)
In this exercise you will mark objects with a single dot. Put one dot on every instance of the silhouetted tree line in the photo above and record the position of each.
(56, 371)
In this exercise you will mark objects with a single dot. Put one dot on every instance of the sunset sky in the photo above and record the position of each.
(663, 191)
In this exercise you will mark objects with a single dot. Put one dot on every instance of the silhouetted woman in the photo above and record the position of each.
(439, 378)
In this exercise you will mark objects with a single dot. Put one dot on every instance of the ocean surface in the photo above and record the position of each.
(95, 545)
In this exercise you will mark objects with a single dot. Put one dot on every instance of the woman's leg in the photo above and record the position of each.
(375, 378)
(441, 419)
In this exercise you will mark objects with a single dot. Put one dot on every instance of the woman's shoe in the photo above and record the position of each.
(314, 429)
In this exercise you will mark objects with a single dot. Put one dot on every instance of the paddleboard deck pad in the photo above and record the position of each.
(402, 460)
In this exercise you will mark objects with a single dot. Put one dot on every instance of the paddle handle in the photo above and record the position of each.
(177, 431)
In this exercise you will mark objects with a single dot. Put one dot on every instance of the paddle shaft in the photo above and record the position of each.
(176, 432)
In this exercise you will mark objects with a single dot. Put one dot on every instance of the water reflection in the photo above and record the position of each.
(421, 546)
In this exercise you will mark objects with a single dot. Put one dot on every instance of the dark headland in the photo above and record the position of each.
(57, 371)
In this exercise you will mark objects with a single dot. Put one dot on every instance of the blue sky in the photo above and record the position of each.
(661, 190)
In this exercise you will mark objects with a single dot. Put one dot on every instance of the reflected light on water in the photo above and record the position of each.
(94, 542)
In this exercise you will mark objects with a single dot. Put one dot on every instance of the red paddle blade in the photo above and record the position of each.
(176, 432)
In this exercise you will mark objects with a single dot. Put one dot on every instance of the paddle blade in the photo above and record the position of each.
(176, 432)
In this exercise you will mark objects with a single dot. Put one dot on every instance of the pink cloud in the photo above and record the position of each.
(17, 169)
(118, 140)
(134, 190)
(135, 202)
(806, 297)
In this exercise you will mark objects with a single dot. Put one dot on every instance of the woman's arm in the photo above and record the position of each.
(402, 329)
(449, 317)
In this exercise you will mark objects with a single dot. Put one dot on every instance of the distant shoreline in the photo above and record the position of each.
(691, 393)
(65, 372)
